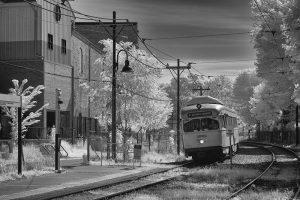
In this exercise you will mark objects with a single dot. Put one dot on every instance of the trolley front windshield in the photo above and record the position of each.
(201, 125)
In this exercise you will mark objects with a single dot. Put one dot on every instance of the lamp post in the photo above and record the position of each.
(297, 130)
(126, 68)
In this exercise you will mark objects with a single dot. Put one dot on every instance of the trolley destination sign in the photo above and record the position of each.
(10, 100)
(200, 114)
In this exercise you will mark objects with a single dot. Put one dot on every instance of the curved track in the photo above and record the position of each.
(272, 162)
(140, 183)
(109, 190)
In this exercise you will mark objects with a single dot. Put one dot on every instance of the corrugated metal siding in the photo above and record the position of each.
(60, 30)
(17, 23)
(19, 30)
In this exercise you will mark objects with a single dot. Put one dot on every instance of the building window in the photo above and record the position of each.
(63, 46)
(81, 61)
(57, 13)
(50, 41)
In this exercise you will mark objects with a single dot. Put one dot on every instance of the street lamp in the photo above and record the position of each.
(125, 69)
(297, 130)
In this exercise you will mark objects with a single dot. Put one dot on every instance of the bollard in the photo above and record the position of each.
(88, 147)
(137, 153)
(10, 146)
(57, 150)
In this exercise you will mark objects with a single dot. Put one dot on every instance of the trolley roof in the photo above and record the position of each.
(207, 103)
(204, 100)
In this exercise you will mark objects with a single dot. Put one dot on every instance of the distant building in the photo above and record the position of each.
(40, 41)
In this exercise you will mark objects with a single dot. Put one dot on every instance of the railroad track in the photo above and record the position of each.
(271, 149)
(297, 193)
(108, 190)
(119, 189)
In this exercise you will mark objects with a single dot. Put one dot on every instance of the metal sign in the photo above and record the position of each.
(200, 114)
(10, 100)
(137, 152)
(229, 132)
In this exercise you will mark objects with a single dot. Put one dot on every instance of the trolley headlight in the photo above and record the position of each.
(201, 141)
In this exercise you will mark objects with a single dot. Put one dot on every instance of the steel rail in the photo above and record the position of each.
(275, 145)
(297, 193)
(140, 183)
(142, 186)
(260, 175)
(134, 177)
(262, 145)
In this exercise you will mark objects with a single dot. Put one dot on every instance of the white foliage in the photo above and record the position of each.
(273, 59)
(28, 95)
(136, 92)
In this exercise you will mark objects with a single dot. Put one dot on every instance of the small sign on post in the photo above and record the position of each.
(10, 100)
(15, 101)
(137, 153)
(230, 134)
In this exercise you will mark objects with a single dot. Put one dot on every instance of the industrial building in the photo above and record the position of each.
(40, 40)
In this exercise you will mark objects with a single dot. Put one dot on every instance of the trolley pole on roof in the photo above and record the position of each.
(201, 89)
(178, 73)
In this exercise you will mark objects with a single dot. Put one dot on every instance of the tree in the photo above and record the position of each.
(243, 90)
(292, 43)
(220, 88)
(273, 64)
(140, 101)
(28, 104)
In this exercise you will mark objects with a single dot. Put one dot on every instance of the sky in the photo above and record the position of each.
(157, 19)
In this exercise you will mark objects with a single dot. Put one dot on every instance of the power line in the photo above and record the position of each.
(59, 75)
(87, 17)
(147, 46)
(198, 36)
(39, 6)
(272, 31)
(162, 52)
(144, 96)
(226, 61)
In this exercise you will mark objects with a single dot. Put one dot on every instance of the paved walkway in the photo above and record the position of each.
(74, 175)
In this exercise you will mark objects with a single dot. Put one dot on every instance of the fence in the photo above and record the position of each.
(286, 137)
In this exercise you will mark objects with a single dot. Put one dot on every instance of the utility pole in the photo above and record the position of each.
(297, 109)
(113, 98)
(178, 68)
(201, 89)
(58, 101)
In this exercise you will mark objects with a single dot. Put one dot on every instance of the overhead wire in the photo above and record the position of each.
(198, 36)
(90, 17)
(144, 96)
(59, 75)
(80, 77)
(97, 19)
(270, 30)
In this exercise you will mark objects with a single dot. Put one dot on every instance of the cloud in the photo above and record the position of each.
(171, 18)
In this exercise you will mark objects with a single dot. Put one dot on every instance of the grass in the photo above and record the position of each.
(209, 183)
(266, 195)
(153, 157)
(223, 175)
(34, 163)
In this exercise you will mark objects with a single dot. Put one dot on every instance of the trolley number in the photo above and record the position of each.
(199, 137)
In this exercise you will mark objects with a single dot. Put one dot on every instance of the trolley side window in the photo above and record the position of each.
(209, 124)
(192, 125)
(228, 121)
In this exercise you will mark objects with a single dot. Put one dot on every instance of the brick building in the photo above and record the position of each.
(40, 40)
